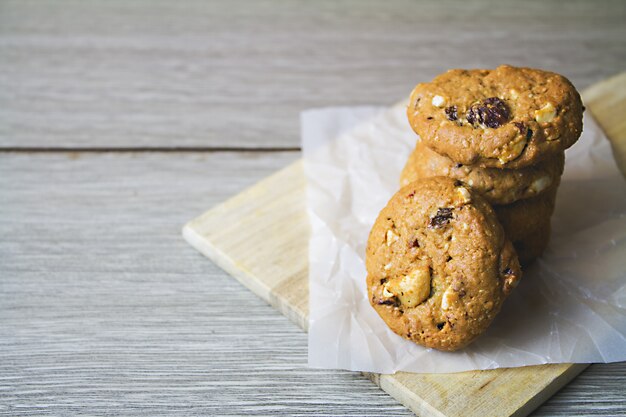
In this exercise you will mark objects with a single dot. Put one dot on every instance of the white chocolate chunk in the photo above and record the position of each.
(540, 184)
(448, 298)
(512, 151)
(391, 237)
(386, 292)
(545, 114)
(412, 289)
(464, 195)
(438, 101)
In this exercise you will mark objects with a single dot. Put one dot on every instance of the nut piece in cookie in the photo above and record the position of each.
(449, 267)
(411, 289)
(545, 114)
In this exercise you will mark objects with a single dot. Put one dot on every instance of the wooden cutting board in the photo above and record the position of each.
(260, 237)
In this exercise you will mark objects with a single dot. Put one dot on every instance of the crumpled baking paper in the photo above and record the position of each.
(569, 307)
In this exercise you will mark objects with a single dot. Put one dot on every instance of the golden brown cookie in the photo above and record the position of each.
(438, 263)
(508, 117)
(525, 217)
(532, 246)
(498, 186)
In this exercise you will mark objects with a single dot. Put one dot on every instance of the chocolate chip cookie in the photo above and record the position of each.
(498, 186)
(508, 117)
(438, 263)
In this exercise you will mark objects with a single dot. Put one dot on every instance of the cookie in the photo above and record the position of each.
(508, 117)
(525, 217)
(498, 186)
(532, 246)
(438, 263)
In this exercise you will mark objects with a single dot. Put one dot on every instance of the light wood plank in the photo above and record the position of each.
(88, 73)
(259, 238)
(280, 197)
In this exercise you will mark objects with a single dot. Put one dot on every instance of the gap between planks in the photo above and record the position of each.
(158, 149)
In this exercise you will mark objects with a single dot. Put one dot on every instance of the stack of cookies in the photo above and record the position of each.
(477, 195)
(502, 132)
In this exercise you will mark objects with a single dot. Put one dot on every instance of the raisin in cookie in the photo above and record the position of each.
(438, 264)
(524, 217)
(504, 118)
(498, 186)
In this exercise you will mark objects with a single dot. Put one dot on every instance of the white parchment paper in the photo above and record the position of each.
(569, 307)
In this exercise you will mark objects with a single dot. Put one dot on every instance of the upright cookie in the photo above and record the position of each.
(505, 118)
(438, 264)
(532, 246)
(498, 186)
(525, 217)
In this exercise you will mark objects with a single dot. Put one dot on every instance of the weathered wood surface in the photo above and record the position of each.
(104, 309)
(106, 74)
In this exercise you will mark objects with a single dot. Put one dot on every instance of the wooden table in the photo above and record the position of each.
(120, 121)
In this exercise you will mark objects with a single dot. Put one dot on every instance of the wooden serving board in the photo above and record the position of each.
(261, 235)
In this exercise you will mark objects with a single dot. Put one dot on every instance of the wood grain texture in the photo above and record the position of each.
(260, 237)
(87, 73)
(105, 310)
